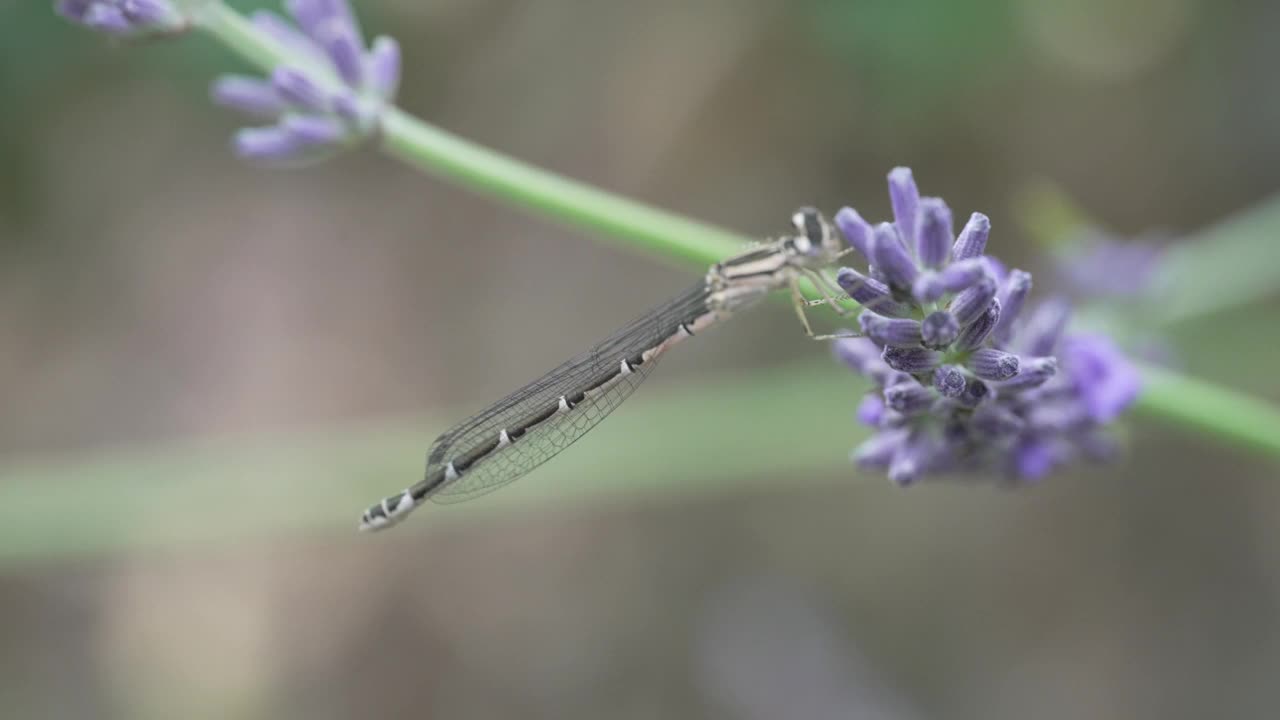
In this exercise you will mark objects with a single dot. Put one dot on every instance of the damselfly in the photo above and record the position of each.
(533, 424)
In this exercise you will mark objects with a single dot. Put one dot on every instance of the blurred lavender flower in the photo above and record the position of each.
(124, 18)
(1097, 264)
(330, 96)
(969, 376)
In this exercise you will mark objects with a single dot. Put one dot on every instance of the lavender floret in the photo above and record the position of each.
(971, 377)
(125, 18)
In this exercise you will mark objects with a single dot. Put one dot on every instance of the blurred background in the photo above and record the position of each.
(208, 369)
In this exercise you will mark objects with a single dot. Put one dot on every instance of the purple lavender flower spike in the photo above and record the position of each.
(248, 95)
(912, 361)
(108, 19)
(975, 333)
(856, 230)
(331, 95)
(384, 66)
(992, 364)
(1013, 294)
(939, 330)
(884, 331)
(870, 293)
(906, 201)
(909, 398)
(983, 385)
(972, 303)
(296, 88)
(891, 256)
(972, 242)
(949, 380)
(871, 410)
(934, 234)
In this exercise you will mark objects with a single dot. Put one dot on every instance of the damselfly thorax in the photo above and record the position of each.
(533, 424)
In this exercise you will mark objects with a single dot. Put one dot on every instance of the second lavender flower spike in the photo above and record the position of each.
(963, 381)
(330, 95)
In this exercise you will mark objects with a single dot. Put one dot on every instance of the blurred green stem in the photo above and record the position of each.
(1214, 410)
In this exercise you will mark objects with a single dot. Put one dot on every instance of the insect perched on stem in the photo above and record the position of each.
(531, 425)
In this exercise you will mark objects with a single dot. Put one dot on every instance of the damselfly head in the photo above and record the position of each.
(814, 235)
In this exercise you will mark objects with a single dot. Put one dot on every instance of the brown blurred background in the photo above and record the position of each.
(157, 294)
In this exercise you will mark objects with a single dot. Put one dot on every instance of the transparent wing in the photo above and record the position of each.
(593, 382)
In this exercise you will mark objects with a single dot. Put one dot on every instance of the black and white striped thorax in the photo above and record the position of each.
(528, 427)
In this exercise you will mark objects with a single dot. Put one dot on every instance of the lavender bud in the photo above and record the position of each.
(856, 230)
(282, 32)
(906, 201)
(108, 19)
(149, 13)
(861, 355)
(909, 398)
(949, 381)
(913, 361)
(952, 279)
(248, 95)
(347, 105)
(972, 242)
(970, 304)
(266, 143)
(939, 329)
(384, 66)
(871, 410)
(1039, 336)
(871, 293)
(1033, 373)
(912, 458)
(313, 131)
(992, 364)
(883, 331)
(975, 391)
(310, 14)
(1033, 459)
(935, 234)
(1013, 294)
(878, 450)
(345, 51)
(295, 87)
(976, 332)
(891, 256)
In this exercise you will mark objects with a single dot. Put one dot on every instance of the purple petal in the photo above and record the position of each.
(1034, 459)
(913, 457)
(970, 304)
(861, 355)
(992, 364)
(294, 86)
(871, 410)
(913, 361)
(975, 333)
(1013, 294)
(972, 242)
(935, 233)
(870, 293)
(310, 16)
(878, 450)
(939, 329)
(891, 256)
(384, 67)
(155, 14)
(906, 201)
(248, 95)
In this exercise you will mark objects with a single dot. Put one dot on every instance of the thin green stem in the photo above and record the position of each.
(668, 236)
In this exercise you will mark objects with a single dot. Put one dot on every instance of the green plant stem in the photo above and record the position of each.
(667, 236)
